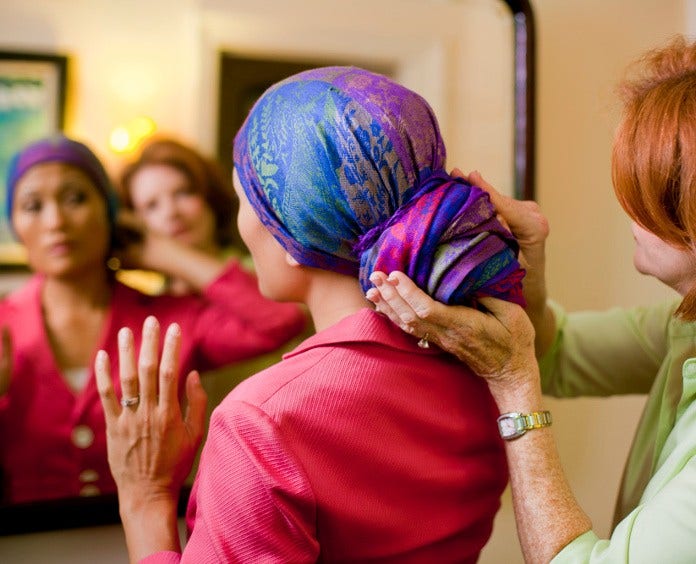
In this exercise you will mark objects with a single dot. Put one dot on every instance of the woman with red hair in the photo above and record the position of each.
(646, 350)
(180, 196)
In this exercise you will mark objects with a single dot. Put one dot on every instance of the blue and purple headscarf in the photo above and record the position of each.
(59, 148)
(346, 169)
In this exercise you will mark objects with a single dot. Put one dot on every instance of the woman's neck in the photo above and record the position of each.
(331, 297)
(74, 312)
(88, 290)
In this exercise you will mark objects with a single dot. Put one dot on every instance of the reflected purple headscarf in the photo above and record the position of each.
(59, 148)
(346, 169)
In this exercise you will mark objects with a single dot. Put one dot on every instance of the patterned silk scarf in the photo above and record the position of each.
(346, 169)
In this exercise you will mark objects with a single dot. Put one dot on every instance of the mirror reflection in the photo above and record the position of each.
(192, 80)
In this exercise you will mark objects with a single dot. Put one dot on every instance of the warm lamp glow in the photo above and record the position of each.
(119, 140)
(125, 138)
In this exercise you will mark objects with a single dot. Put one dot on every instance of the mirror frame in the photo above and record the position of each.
(102, 510)
(524, 99)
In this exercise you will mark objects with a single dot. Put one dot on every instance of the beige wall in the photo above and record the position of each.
(126, 59)
(583, 46)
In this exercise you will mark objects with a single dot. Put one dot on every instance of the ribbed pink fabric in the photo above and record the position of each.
(358, 447)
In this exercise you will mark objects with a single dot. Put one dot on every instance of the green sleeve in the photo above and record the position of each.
(618, 351)
(662, 528)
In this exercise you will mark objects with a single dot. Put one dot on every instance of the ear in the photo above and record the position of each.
(291, 261)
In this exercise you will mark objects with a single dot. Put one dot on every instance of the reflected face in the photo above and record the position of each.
(672, 265)
(277, 279)
(61, 218)
(168, 205)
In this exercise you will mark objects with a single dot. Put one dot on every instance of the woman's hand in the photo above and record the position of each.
(497, 345)
(531, 229)
(135, 247)
(523, 217)
(415, 312)
(5, 360)
(151, 445)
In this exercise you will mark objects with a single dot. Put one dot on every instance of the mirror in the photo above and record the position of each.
(473, 60)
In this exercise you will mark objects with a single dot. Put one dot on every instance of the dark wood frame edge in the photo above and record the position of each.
(525, 99)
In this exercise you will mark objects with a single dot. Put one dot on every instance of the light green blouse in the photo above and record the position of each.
(636, 351)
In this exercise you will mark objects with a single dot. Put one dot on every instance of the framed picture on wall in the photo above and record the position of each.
(32, 105)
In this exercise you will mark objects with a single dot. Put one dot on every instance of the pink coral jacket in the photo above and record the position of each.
(358, 447)
(52, 438)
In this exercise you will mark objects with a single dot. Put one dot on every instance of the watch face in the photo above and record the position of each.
(511, 426)
(507, 427)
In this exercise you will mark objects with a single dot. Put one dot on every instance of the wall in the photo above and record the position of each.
(583, 45)
(438, 48)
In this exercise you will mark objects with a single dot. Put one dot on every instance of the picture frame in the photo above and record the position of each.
(32, 105)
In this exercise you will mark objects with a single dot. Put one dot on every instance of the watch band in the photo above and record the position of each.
(513, 425)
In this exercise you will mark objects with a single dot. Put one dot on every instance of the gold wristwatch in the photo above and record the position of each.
(513, 425)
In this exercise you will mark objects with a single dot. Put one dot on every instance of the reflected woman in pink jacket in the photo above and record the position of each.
(62, 209)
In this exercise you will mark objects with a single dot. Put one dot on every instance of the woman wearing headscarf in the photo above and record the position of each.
(362, 444)
(52, 436)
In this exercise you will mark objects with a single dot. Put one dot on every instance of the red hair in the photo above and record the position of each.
(654, 154)
(204, 175)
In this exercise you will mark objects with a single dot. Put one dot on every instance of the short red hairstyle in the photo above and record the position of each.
(654, 154)
(204, 174)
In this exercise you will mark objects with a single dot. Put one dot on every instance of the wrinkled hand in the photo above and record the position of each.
(151, 446)
(497, 345)
(129, 240)
(531, 229)
(5, 360)
(523, 217)
(415, 312)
